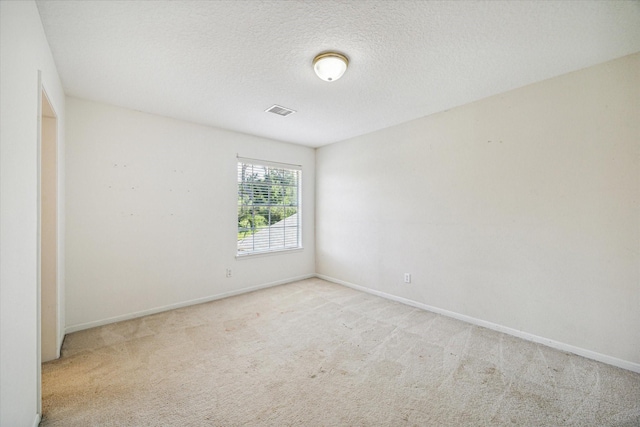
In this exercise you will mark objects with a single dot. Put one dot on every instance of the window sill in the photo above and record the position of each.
(267, 253)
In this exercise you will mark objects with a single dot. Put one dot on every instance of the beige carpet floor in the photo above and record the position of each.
(313, 353)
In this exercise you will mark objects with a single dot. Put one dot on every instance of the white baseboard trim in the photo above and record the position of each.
(610, 360)
(96, 323)
(36, 422)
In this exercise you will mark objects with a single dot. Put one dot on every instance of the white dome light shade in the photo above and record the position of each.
(330, 66)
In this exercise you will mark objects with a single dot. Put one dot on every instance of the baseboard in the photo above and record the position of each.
(89, 325)
(36, 422)
(620, 363)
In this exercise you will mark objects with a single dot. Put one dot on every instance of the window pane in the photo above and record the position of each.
(268, 208)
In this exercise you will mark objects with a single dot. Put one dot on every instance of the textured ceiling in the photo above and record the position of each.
(222, 63)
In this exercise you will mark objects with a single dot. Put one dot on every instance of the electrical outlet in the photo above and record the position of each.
(228, 272)
(407, 277)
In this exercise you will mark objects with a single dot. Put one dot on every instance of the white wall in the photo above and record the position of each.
(23, 51)
(521, 210)
(151, 213)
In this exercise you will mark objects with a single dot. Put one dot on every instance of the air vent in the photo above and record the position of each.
(279, 110)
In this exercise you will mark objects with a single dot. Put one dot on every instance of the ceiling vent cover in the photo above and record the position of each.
(279, 110)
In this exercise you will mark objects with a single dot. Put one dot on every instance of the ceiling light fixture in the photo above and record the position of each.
(330, 66)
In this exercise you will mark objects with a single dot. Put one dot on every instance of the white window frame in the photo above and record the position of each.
(273, 245)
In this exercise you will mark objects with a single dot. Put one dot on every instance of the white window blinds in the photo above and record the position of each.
(268, 207)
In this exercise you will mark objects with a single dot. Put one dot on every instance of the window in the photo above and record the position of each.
(268, 207)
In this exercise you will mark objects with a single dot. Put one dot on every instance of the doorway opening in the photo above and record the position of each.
(49, 334)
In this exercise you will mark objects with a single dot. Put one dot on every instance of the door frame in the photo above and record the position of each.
(46, 109)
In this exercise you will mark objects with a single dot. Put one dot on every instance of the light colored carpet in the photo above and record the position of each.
(313, 353)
